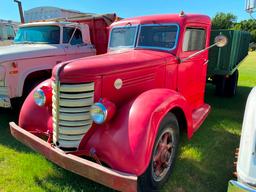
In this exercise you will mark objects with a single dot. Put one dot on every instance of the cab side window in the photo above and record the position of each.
(194, 39)
(77, 38)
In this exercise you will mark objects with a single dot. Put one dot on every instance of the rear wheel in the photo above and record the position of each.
(220, 83)
(231, 85)
(163, 155)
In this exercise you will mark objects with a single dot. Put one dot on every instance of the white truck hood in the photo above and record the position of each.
(25, 51)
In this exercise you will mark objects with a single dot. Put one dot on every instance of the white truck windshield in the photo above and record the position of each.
(38, 34)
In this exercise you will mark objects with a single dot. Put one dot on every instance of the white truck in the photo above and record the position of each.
(39, 46)
(246, 165)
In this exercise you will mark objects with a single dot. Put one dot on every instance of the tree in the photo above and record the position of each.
(247, 25)
(223, 21)
(228, 21)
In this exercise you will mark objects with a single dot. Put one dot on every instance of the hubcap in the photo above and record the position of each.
(163, 155)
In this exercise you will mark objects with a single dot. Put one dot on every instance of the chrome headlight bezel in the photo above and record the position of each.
(98, 113)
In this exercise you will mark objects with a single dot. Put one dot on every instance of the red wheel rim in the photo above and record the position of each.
(163, 155)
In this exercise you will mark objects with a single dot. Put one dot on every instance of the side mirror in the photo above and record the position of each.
(221, 41)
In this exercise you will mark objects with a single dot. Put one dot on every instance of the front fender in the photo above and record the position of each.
(126, 142)
(35, 118)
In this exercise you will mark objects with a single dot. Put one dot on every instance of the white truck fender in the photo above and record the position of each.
(25, 74)
(246, 166)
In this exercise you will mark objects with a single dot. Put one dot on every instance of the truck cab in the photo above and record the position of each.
(69, 36)
(124, 109)
(39, 46)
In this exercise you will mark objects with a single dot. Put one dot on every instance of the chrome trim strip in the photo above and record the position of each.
(57, 85)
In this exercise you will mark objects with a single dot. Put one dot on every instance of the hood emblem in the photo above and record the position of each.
(118, 83)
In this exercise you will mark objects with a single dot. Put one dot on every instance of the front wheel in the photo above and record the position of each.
(163, 155)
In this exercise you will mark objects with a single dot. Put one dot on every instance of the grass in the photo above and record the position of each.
(204, 163)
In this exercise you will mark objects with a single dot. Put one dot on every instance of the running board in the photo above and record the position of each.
(199, 115)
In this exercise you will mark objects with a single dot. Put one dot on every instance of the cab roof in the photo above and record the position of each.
(165, 18)
(43, 23)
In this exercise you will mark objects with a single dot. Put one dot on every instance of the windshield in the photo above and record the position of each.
(158, 36)
(155, 36)
(123, 37)
(38, 34)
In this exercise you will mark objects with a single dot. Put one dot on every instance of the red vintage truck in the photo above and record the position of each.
(116, 118)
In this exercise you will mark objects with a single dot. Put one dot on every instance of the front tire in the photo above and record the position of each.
(163, 155)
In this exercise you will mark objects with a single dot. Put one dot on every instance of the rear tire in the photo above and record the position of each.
(220, 83)
(163, 155)
(231, 85)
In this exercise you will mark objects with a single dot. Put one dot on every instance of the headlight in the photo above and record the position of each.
(98, 113)
(39, 97)
(43, 96)
(102, 111)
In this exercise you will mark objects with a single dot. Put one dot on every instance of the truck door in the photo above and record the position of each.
(192, 72)
(75, 47)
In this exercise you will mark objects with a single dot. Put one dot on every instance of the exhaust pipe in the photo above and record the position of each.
(22, 20)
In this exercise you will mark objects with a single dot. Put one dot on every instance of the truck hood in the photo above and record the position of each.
(112, 62)
(24, 51)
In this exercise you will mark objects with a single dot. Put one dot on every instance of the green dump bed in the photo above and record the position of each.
(225, 60)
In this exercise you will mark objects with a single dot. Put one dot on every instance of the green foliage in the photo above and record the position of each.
(252, 47)
(253, 35)
(247, 25)
(223, 21)
(228, 21)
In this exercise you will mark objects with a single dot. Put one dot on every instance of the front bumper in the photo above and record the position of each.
(235, 186)
(98, 173)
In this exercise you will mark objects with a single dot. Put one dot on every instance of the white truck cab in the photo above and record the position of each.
(37, 48)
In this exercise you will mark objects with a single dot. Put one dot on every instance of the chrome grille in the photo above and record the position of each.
(71, 112)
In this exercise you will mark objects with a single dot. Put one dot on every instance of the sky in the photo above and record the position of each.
(130, 8)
